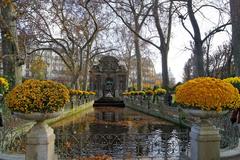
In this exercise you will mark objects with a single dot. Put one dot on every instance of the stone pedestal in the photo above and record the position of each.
(205, 142)
(40, 143)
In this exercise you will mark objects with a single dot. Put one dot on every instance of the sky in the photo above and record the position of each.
(181, 39)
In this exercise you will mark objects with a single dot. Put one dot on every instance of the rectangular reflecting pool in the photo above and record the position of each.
(121, 133)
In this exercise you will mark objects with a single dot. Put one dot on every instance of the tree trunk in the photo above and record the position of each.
(198, 58)
(228, 65)
(165, 78)
(165, 41)
(128, 70)
(235, 16)
(75, 81)
(85, 74)
(139, 62)
(207, 56)
(11, 68)
(198, 51)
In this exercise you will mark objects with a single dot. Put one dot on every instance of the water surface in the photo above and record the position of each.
(119, 132)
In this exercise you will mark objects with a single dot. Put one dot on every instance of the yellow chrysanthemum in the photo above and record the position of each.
(73, 92)
(160, 91)
(92, 93)
(126, 93)
(77, 92)
(149, 92)
(142, 93)
(4, 85)
(37, 96)
(235, 81)
(208, 94)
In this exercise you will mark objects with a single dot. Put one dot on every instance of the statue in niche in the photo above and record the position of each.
(108, 88)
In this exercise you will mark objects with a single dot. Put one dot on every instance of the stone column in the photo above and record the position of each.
(102, 81)
(40, 143)
(116, 85)
(205, 142)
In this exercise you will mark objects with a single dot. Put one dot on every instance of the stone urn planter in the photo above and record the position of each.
(38, 100)
(206, 97)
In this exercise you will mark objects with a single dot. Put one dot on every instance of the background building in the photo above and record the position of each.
(55, 70)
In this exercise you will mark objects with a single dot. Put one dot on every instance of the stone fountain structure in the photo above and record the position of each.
(108, 78)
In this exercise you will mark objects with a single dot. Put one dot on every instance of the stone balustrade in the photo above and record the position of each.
(204, 139)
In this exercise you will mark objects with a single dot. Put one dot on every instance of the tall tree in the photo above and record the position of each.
(164, 38)
(235, 17)
(99, 45)
(192, 10)
(12, 60)
(163, 23)
(72, 21)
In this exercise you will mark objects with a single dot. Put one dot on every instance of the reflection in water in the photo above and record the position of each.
(109, 116)
(108, 120)
(120, 131)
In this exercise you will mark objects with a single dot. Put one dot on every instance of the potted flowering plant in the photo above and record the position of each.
(206, 97)
(149, 92)
(4, 86)
(158, 94)
(75, 93)
(207, 94)
(41, 97)
(133, 93)
(38, 100)
(160, 91)
(92, 94)
(235, 81)
(126, 94)
(141, 93)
